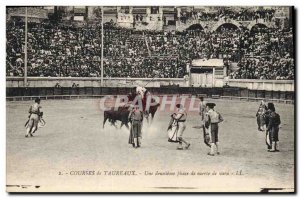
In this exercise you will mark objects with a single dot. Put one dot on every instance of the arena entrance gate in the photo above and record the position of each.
(204, 72)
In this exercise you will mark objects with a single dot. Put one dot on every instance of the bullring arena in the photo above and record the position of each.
(73, 140)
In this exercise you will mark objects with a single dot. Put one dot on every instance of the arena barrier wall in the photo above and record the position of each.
(251, 84)
(268, 85)
(93, 82)
(231, 93)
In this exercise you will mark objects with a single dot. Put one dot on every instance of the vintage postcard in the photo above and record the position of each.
(150, 99)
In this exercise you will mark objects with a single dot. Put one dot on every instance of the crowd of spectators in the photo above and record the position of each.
(14, 48)
(127, 55)
(267, 54)
(54, 49)
(196, 44)
(61, 50)
(243, 14)
(151, 67)
(275, 68)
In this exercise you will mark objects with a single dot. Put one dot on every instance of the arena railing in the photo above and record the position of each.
(279, 85)
(62, 87)
(260, 84)
(69, 97)
(251, 99)
(91, 81)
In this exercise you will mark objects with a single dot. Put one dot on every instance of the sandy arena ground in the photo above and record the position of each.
(73, 140)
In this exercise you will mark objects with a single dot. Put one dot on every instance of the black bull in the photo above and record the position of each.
(122, 113)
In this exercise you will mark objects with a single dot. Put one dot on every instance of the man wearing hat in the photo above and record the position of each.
(212, 119)
(34, 117)
(180, 117)
(273, 128)
(136, 119)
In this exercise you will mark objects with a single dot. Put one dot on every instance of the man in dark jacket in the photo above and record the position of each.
(273, 128)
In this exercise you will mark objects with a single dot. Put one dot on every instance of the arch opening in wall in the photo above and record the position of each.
(196, 27)
(227, 26)
(259, 28)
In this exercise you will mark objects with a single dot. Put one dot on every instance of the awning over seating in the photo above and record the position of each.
(207, 63)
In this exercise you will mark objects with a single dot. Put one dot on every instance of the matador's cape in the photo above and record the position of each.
(173, 131)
